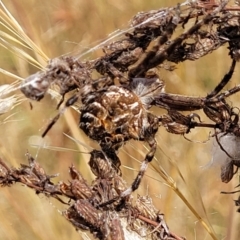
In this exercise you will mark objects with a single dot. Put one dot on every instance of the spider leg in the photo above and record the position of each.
(60, 102)
(223, 82)
(69, 103)
(153, 146)
(53, 121)
(185, 103)
(225, 94)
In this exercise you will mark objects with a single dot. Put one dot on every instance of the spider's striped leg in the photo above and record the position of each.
(153, 146)
(227, 77)
(68, 103)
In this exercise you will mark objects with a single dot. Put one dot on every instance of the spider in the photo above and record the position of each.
(111, 115)
(114, 115)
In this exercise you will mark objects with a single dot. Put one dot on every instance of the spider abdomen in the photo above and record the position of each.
(112, 116)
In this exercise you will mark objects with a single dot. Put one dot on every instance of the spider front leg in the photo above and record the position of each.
(68, 103)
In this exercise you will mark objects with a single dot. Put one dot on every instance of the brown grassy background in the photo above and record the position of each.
(60, 27)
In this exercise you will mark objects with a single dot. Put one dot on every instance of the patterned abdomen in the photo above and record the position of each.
(112, 116)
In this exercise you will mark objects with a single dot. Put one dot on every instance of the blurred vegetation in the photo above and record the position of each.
(59, 27)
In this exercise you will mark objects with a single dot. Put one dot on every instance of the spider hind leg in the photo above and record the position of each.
(150, 155)
(134, 186)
